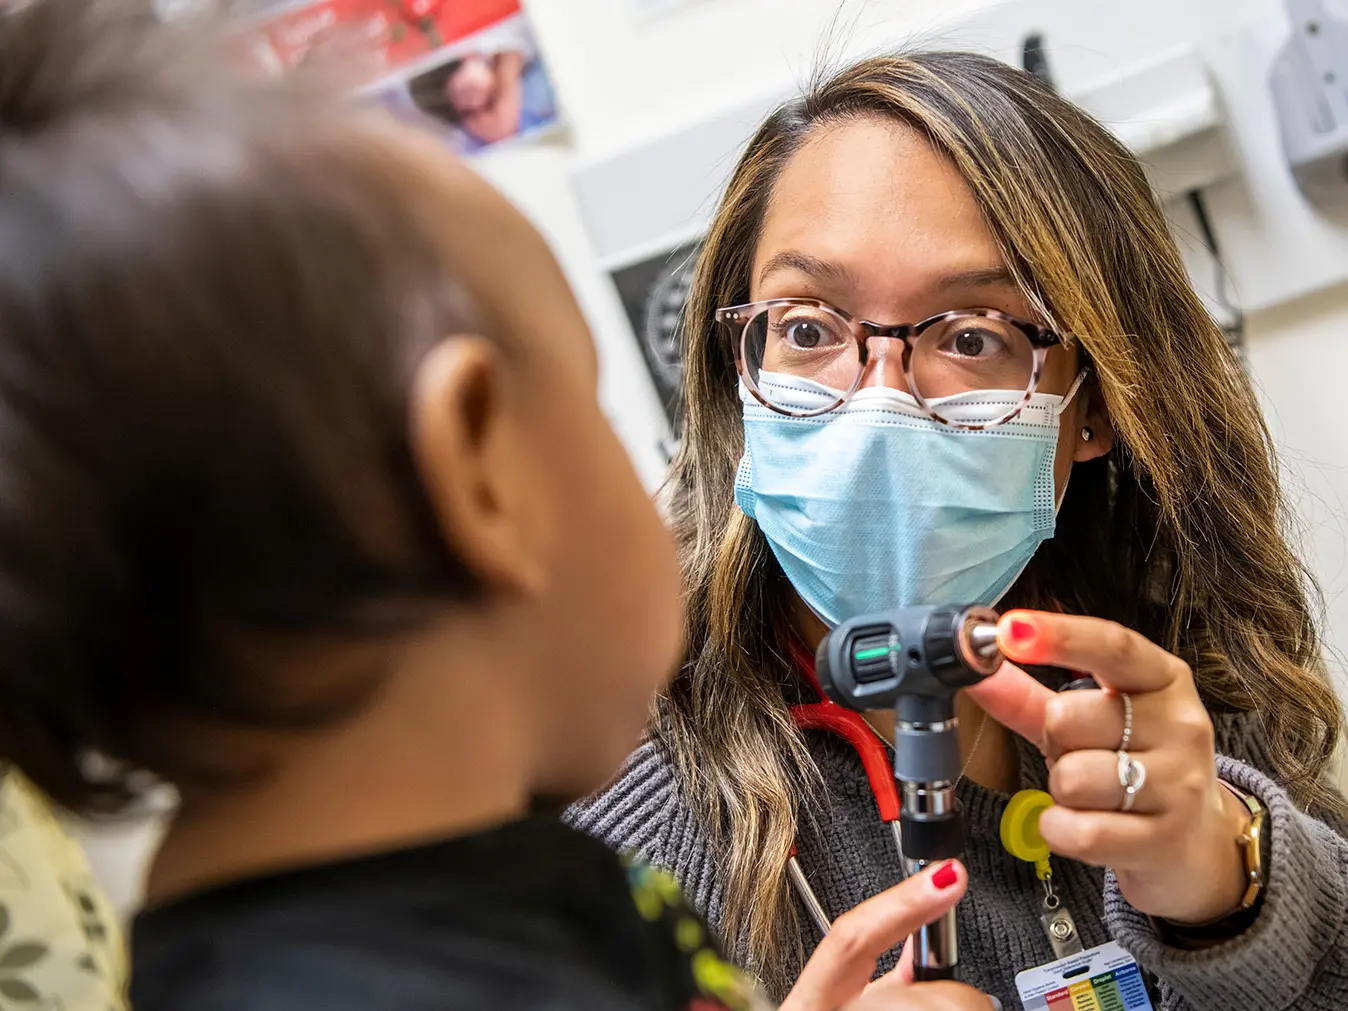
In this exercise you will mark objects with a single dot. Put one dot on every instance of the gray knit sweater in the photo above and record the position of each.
(1295, 956)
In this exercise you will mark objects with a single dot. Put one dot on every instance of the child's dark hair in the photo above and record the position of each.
(214, 291)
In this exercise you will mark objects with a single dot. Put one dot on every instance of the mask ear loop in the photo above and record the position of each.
(1058, 498)
(1057, 413)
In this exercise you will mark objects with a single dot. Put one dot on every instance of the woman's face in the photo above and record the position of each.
(869, 218)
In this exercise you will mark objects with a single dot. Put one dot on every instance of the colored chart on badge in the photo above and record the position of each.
(1119, 989)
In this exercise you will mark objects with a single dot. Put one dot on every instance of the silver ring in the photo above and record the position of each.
(1127, 721)
(1132, 777)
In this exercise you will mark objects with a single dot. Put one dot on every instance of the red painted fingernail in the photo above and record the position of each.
(1021, 631)
(946, 876)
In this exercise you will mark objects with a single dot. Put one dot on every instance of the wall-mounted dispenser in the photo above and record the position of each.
(1309, 79)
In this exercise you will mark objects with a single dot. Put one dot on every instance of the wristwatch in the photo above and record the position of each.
(1252, 840)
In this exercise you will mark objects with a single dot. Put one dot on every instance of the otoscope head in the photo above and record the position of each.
(972, 654)
(923, 654)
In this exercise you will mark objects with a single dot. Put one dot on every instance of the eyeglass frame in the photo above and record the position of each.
(736, 320)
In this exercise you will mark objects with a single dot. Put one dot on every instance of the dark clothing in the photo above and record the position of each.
(531, 915)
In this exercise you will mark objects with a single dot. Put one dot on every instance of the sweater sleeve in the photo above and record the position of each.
(643, 813)
(1295, 955)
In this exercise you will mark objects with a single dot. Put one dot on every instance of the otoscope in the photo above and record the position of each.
(915, 659)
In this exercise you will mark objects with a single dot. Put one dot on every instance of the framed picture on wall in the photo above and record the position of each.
(486, 89)
(469, 67)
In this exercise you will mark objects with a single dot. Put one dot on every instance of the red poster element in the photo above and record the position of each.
(399, 32)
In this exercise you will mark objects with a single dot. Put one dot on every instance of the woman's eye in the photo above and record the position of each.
(972, 342)
(806, 334)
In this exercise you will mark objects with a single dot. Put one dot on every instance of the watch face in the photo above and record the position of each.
(653, 293)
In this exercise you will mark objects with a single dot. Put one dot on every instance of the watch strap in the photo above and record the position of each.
(1253, 842)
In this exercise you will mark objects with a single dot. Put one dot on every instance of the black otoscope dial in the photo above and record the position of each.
(915, 659)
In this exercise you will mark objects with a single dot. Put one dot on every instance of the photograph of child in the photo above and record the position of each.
(471, 66)
(492, 88)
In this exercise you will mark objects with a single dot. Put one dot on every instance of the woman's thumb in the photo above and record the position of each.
(844, 962)
(1015, 700)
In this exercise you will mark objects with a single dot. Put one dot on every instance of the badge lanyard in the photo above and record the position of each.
(1021, 838)
(1103, 978)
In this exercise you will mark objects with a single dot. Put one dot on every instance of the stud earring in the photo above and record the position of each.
(1087, 433)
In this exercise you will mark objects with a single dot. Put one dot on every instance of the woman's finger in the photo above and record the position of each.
(901, 974)
(1116, 656)
(1078, 721)
(888, 985)
(1104, 838)
(844, 962)
(904, 970)
(1089, 781)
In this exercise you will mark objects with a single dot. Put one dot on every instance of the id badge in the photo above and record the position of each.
(1099, 979)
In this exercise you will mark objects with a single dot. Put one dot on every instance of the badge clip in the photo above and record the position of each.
(1021, 838)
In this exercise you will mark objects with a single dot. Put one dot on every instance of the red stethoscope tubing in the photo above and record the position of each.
(851, 727)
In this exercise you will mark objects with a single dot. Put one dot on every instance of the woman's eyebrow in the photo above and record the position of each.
(841, 274)
(978, 277)
(823, 270)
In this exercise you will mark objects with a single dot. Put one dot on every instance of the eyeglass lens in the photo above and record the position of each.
(961, 354)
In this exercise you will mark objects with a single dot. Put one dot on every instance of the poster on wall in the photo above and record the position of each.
(653, 294)
(471, 67)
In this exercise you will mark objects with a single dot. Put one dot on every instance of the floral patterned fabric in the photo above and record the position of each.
(60, 946)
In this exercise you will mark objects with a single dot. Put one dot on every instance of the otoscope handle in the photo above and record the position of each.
(934, 954)
(933, 831)
(915, 659)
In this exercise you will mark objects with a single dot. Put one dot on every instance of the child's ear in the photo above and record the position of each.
(471, 450)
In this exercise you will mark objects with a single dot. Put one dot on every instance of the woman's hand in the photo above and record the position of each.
(837, 976)
(1175, 853)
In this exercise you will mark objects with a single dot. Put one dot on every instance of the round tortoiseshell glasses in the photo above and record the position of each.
(964, 351)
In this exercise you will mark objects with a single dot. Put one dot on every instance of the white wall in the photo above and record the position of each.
(1299, 359)
(624, 78)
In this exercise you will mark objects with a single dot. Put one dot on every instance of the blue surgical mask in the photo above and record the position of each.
(876, 505)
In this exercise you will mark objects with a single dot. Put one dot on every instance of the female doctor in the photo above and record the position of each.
(942, 349)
